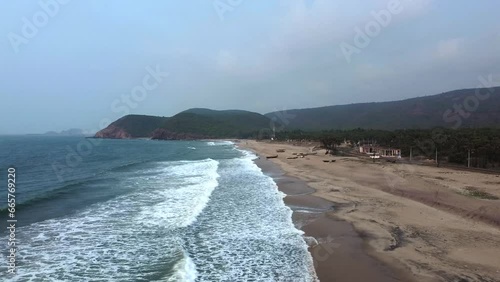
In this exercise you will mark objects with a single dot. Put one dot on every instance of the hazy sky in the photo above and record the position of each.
(75, 64)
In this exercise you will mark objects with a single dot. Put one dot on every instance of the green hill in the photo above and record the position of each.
(460, 108)
(205, 123)
(190, 124)
(132, 126)
(422, 112)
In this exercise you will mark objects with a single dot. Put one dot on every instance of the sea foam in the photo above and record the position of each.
(220, 143)
(245, 233)
(127, 238)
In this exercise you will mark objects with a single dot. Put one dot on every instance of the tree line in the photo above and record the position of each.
(477, 147)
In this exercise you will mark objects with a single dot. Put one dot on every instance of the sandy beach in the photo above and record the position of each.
(389, 221)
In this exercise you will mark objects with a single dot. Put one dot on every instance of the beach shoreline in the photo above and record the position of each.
(338, 251)
(405, 223)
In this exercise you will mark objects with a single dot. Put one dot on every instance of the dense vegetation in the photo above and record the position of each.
(480, 106)
(190, 124)
(453, 145)
(216, 124)
(139, 125)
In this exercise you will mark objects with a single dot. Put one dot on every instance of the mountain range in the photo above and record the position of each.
(460, 108)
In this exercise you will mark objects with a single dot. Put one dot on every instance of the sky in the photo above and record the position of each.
(81, 64)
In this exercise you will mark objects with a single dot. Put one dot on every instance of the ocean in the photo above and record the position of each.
(143, 210)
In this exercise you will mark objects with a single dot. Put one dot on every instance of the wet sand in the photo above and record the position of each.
(340, 253)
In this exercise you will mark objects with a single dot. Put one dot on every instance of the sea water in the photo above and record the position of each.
(142, 210)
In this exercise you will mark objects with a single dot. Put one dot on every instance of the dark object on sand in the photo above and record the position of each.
(391, 161)
(280, 151)
(329, 161)
(292, 158)
(397, 239)
(272, 157)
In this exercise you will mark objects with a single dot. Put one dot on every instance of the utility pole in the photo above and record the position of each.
(468, 158)
(437, 163)
(411, 153)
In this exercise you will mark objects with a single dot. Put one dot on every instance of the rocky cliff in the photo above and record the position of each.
(113, 132)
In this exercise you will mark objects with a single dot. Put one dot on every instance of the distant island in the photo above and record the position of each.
(459, 108)
(69, 132)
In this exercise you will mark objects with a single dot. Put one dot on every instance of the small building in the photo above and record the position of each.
(380, 151)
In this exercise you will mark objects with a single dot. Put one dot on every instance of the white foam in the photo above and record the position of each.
(123, 239)
(189, 186)
(220, 143)
(247, 154)
(246, 232)
(226, 142)
(184, 270)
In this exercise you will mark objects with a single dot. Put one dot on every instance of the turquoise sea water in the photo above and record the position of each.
(142, 210)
